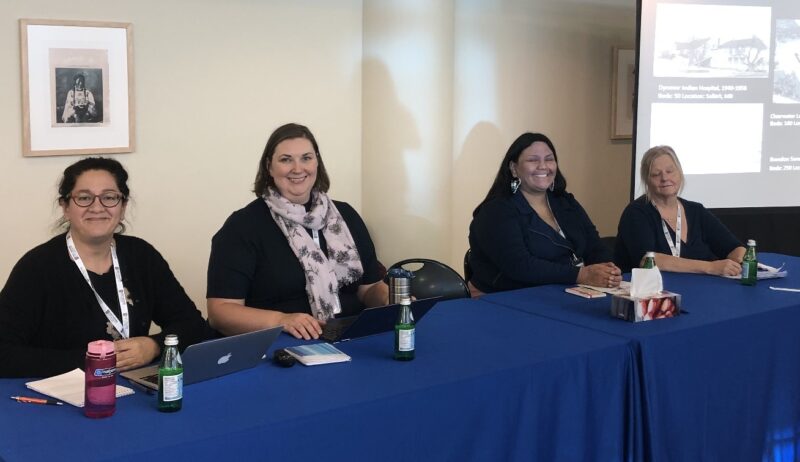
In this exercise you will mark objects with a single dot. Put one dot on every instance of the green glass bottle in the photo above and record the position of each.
(404, 332)
(170, 377)
(649, 260)
(750, 265)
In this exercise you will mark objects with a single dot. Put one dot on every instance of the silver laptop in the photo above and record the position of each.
(214, 358)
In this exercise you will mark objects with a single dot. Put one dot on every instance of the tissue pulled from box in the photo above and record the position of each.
(646, 282)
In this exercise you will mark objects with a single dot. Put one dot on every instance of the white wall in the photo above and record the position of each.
(213, 79)
(407, 137)
(447, 85)
(516, 66)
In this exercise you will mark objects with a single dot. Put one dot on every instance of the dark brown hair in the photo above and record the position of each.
(71, 174)
(502, 181)
(286, 132)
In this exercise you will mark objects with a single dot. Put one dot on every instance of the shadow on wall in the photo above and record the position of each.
(393, 215)
(473, 173)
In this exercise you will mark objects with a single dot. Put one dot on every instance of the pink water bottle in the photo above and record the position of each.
(100, 398)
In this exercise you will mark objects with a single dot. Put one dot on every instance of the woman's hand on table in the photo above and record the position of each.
(302, 325)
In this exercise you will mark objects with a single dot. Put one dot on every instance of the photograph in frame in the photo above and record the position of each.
(77, 87)
(623, 84)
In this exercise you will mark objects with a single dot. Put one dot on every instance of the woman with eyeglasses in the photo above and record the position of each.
(530, 231)
(91, 283)
(684, 235)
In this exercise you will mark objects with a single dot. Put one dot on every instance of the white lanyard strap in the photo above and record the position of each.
(315, 236)
(674, 247)
(122, 327)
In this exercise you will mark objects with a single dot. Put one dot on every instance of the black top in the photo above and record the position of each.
(640, 231)
(511, 247)
(252, 260)
(48, 313)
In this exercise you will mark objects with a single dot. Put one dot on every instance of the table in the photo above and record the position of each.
(719, 383)
(488, 383)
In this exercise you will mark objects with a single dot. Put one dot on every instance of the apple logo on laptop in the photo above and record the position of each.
(224, 359)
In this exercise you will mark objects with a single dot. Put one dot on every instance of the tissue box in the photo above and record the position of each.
(663, 305)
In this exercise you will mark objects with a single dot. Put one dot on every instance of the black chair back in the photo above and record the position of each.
(610, 242)
(467, 267)
(434, 279)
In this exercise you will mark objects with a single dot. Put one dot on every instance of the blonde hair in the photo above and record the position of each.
(647, 161)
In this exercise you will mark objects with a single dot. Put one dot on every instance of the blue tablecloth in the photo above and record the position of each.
(488, 383)
(720, 383)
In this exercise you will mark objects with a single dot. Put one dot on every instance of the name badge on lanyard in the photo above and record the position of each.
(122, 327)
(674, 246)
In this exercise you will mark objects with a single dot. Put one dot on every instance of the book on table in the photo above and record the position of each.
(318, 353)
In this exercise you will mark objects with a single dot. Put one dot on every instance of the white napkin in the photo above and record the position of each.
(646, 282)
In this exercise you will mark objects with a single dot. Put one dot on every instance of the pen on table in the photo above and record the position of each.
(26, 399)
(784, 289)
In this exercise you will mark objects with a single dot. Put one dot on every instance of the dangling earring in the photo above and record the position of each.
(553, 185)
(515, 185)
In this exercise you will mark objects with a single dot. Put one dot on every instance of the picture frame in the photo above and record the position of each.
(623, 84)
(77, 87)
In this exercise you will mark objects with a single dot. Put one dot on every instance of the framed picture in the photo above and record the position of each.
(623, 83)
(77, 87)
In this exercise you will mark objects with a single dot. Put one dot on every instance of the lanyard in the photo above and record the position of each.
(315, 236)
(122, 327)
(674, 247)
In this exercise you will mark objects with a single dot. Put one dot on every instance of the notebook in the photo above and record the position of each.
(69, 387)
(317, 353)
(214, 358)
(372, 321)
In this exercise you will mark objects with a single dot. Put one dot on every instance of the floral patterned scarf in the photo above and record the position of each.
(324, 275)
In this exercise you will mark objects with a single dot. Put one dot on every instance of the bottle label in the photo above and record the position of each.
(173, 387)
(105, 372)
(746, 269)
(406, 340)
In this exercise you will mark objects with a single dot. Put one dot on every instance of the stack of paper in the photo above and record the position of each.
(69, 387)
(766, 272)
(623, 289)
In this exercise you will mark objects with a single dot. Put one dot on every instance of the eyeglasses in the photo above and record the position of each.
(107, 199)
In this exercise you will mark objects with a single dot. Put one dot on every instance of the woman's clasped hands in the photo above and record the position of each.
(600, 275)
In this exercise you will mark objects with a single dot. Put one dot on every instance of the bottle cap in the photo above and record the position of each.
(405, 301)
(101, 348)
(171, 340)
(400, 273)
(751, 242)
(650, 254)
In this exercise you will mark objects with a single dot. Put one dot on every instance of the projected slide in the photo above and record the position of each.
(720, 82)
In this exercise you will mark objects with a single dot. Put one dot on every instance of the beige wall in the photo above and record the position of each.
(447, 85)
(516, 66)
(212, 80)
(407, 137)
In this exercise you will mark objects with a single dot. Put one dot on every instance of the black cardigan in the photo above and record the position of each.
(48, 313)
(511, 247)
(640, 231)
